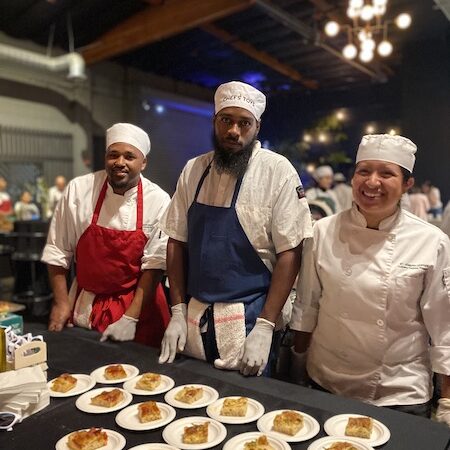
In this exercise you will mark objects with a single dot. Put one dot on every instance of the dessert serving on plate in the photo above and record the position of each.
(64, 383)
(189, 394)
(359, 427)
(149, 381)
(108, 399)
(261, 443)
(87, 439)
(288, 422)
(236, 407)
(148, 412)
(196, 434)
(115, 372)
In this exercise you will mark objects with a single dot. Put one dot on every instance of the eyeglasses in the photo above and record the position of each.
(8, 420)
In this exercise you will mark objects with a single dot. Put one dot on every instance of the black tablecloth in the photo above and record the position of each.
(78, 351)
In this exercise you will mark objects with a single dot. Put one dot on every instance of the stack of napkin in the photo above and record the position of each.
(24, 391)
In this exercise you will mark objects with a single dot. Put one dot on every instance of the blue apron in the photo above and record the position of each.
(223, 266)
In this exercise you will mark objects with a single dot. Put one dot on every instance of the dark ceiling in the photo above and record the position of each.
(287, 30)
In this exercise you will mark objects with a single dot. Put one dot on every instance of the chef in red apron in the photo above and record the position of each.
(108, 221)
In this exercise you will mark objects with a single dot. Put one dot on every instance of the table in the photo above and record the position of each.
(77, 350)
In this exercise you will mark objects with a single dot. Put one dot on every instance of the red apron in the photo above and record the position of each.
(109, 265)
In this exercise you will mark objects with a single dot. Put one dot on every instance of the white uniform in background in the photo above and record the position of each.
(419, 205)
(344, 195)
(384, 301)
(316, 193)
(405, 202)
(54, 195)
(445, 224)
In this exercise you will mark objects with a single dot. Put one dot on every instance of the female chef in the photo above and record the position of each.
(374, 291)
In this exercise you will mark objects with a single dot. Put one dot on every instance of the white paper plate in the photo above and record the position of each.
(99, 377)
(173, 433)
(210, 395)
(310, 427)
(128, 418)
(115, 441)
(254, 411)
(238, 442)
(83, 402)
(84, 383)
(335, 426)
(154, 447)
(166, 384)
(327, 441)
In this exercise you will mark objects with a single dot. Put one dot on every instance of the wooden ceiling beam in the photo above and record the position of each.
(159, 22)
(259, 55)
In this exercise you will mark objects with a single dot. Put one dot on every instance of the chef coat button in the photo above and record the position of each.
(380, 322)
(391, 237)
(348, 272)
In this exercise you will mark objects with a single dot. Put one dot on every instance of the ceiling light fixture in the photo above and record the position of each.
(369, 29)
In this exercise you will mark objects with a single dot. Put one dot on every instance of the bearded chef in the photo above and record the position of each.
(374, 292)
(108, 222)
(235, 226)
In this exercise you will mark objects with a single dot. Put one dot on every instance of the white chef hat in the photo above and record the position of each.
(130, 134)
(322, 171)
(242, 95)
(384, 147)
(339, 176)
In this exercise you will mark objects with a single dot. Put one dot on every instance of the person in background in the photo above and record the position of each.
(323, 176)
(25, 209)
(6, 209)
(373, 304)
(419, 203)
(236, 224)
(434, 197)
(342, 191)
(445, 224)
(108, 222)
(54, 194)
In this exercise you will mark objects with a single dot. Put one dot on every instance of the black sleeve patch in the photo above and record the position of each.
(300, 191)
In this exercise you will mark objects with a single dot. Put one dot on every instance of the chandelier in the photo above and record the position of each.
(369, 29)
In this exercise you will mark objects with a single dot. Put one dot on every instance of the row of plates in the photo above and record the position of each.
(217, 434)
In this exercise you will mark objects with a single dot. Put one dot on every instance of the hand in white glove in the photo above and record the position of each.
(255, 352)
(122, 330)
(298, 372)
(443, 411)
(175, 336)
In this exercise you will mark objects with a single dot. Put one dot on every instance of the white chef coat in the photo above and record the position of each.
(317, 193)
(26, 211)
(344, 194)
(378, 304)
(54, 196)
(271, 207)
(74, 214)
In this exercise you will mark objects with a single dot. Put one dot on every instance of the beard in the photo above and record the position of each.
(233, 163)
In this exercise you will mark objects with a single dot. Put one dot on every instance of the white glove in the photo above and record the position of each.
(122, 330)
(255, 352)
(443, 411)
(175, 336)
(298, 373)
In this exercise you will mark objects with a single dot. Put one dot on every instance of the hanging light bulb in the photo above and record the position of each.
(392, 131)
(367, 13)
(356, 4)
(368, 45)
(307, 137)
(353, 13)
(363, 35)
(379, 10)
(331, 28)
(349, 51)
(385, 48)
(322, 137)
(403, 21)
(366, 56)
(370, 129)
